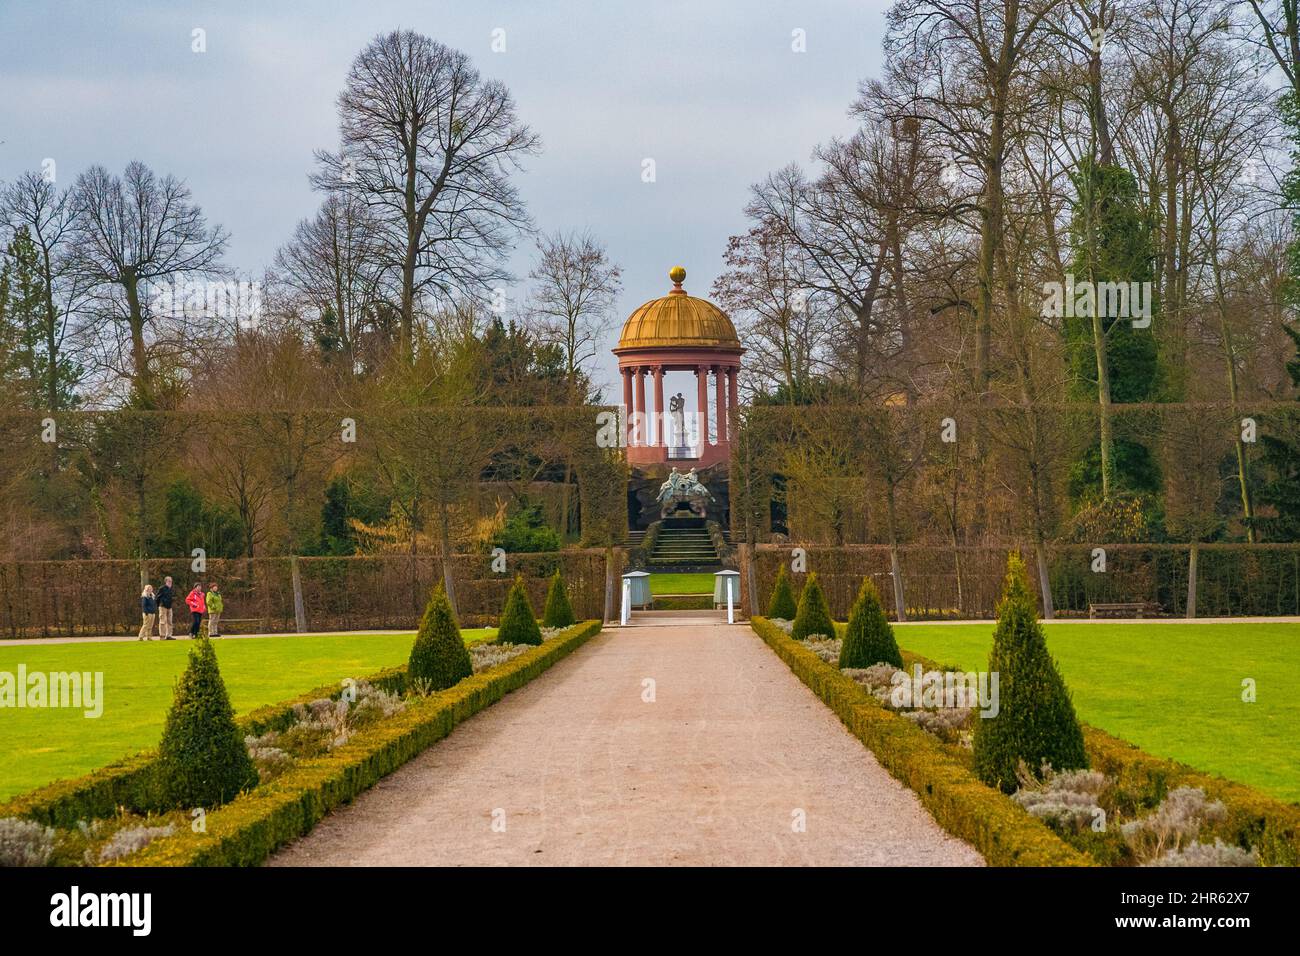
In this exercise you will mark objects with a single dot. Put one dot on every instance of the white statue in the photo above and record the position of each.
(677, 409)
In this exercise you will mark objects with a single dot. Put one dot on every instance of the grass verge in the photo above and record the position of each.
(40, 745)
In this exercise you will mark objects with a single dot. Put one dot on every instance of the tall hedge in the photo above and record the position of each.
(1035, 720)
(518, 624)
(814, 614)
(869, 639)
(202, 760)
(439, 658)
(558, 611)
(782, 603)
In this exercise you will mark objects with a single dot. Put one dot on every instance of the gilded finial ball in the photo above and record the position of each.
(677, 274)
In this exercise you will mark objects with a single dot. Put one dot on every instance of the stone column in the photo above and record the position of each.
(733, 404)
(720, 385)
(627, 403)
(640, 405)
(702, 388)
(660, 418)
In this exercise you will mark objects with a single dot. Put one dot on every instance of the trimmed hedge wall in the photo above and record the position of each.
(247, 830)
(1001, 831)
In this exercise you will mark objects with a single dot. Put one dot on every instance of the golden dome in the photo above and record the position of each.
(678, 320)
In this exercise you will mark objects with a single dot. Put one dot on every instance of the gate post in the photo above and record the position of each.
(748, 598)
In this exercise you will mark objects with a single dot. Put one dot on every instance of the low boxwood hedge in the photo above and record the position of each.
(1254, 819)
(1000, 830)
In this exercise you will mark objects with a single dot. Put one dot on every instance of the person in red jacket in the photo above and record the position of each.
(197, 605)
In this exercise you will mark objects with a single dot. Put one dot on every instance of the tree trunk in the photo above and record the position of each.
(1044, 581)
(895, 566)
(299, 611)
(444, 548)
(1192, 554)
(1229, 356)
(139, 358)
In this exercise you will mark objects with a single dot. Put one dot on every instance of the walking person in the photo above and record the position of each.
(216, 604)
(194, 601)
(148, 612)
(165, 598)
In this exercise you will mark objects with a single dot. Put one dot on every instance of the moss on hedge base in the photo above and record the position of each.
(1001, 831)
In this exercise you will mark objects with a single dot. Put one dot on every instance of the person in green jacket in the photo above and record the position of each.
(215, 606)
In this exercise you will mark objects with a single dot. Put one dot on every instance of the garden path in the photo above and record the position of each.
(579, 767)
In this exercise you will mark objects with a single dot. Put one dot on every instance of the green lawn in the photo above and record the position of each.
(700, 582)
(1172, 689)
(41, 745)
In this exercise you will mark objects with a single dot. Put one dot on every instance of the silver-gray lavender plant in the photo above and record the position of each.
(25, 843)
(1206, 854)
(130, 840)
(1173, 825)
(1069, 799)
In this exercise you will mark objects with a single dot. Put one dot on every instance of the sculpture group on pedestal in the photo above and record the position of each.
(683, 488)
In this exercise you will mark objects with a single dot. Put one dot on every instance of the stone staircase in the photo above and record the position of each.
(683, 544)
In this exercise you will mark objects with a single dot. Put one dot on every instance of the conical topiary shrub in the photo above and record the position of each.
(782, 603)
(558, 611)
(202, 760)
(1035, 720)
(439, 658)
(869, 639)
(518, 624)
(813, 615)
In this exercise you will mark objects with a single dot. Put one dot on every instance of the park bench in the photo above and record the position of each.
(1130, 609)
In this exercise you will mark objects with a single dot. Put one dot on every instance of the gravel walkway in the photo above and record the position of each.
(717, 770)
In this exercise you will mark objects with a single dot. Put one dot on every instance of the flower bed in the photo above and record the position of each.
(339, 755)
(1001, 831)
(1130, 809)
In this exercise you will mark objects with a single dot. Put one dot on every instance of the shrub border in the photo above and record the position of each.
(129, 781)
(1003, 833)
(247, 830)
(125, 782)
(1269, 824)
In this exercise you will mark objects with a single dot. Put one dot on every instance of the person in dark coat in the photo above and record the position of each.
(165, 597)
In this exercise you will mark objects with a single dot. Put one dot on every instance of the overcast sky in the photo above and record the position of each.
(712, 91)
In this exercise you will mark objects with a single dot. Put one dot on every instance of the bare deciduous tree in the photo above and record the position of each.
(429, 146)
(133, 231)
(49, 216)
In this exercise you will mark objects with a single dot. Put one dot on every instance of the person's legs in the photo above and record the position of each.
(164, 623)
(214, 619)
(146, 626)
(196, 623)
